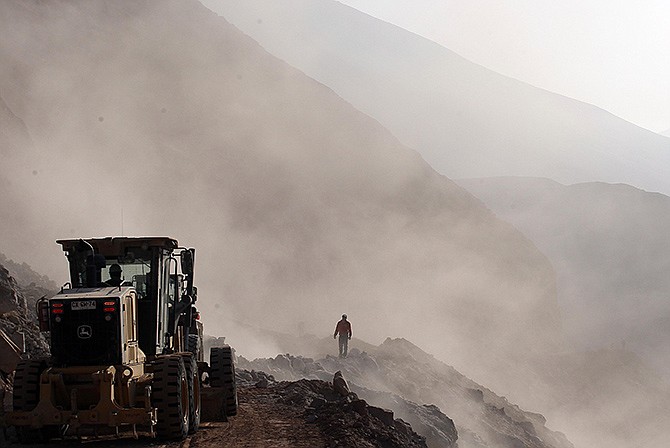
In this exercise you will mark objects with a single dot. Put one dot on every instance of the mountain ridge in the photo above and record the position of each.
(465, 120)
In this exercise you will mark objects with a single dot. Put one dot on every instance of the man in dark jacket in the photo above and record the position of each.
(343, 328)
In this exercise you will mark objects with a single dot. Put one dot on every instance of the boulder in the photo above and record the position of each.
(281, 362)
(340, 385)
(384, 415)
(298, 364)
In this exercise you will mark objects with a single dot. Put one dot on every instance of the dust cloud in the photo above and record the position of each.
(160, 118)
(300, 207)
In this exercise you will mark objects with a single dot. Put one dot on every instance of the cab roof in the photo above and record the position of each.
(117, 244)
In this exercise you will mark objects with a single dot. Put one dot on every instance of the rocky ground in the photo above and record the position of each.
(306, 413)
(420, 389)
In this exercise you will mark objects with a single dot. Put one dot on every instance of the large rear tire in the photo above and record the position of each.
(194, 382)
(27, 395)
(222, 374)
(170, 395)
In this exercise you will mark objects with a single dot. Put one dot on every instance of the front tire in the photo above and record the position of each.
(171, 397)
(222, 374)
(27, 396)
(194, 382)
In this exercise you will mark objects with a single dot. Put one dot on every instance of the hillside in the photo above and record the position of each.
(18, 326)
(465, 120)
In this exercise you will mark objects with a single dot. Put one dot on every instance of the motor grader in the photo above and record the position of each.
(126, 348)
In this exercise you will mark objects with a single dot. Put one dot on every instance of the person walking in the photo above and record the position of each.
(343, 328)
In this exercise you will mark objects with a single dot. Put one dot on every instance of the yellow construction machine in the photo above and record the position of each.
(126, 348)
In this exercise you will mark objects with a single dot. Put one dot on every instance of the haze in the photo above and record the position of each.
(611, 54)
(465, 120)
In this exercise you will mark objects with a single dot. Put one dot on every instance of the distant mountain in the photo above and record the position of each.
(465, 120)
(609, 244)
(666, 133)
(162, 118)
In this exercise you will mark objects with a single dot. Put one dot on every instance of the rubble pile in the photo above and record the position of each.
(420, 389)
(426, 419)
(287, 367)
(246, 378)
(345, 419)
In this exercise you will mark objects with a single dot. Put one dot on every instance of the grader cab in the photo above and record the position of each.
(126, 347)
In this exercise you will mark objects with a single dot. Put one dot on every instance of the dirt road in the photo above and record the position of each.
(262, 421)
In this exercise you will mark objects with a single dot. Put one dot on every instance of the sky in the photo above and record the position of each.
(614, 54)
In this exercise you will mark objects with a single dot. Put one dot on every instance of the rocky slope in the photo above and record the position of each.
(162, 118)
(18, 329)
(28, 280)
(466, 120)
(341, 417)
(397, 371)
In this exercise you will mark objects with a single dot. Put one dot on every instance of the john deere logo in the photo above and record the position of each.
(84, 331)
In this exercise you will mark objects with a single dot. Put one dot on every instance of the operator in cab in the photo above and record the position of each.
(115, 275)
